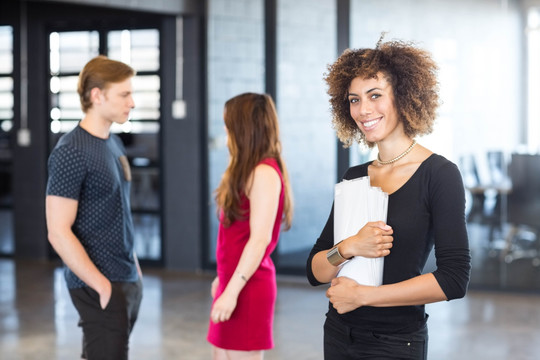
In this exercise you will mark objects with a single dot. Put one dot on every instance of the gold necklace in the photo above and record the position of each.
(397, 157)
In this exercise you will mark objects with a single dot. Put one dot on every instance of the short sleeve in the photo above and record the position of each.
(67, 171)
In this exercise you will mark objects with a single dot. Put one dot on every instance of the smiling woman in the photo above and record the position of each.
(385, 97)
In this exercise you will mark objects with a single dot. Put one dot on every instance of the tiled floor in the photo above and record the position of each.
(37, 320)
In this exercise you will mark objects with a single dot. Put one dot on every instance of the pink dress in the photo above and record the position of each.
(250, 326)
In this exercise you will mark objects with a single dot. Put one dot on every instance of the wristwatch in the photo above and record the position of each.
(334, 257)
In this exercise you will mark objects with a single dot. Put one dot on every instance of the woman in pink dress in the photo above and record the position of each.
(254, 200)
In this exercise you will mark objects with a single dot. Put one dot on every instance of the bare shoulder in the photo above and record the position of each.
(264, 178)
(266, 174)
(422, 154)
(264, 169)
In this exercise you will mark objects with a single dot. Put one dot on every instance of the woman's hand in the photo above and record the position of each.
(345, 294)
(374, 240)
(223, 307)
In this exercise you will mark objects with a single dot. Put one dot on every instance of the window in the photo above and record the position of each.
(533, 107)
(6, 138)
(69, 52)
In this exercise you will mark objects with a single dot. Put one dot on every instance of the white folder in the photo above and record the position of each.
(356, 203)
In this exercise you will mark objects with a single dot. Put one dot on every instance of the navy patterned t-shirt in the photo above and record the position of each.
(95, 172)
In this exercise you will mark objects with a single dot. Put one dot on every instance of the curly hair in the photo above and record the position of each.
(411, 72)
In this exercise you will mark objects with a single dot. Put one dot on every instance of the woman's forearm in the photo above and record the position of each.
(347, 295)
(323, 271)
(249, 261)
(420, 290)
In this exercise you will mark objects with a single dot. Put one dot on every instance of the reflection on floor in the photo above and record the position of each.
(147, 236)
(37, 319)
(6, 232)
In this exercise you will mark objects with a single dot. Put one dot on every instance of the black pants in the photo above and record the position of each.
(106, 331)
(347, 343)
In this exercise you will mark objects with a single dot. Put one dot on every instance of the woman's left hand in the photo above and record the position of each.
(223, 308)
(343, 294)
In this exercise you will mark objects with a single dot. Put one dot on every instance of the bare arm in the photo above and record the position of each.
(346, 294)
(323, 271)
(61, 213)
(264, 200)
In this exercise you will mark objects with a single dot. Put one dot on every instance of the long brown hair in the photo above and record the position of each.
(253, 135)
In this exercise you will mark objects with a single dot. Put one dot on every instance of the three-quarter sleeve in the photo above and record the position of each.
(324, 242)
(447, 199)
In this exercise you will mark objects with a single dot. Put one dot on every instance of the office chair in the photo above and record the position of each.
(522, 241)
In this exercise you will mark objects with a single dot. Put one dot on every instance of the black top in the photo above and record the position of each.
(427, 211)
(95, 172)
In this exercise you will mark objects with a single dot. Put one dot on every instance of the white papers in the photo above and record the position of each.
(355, 204)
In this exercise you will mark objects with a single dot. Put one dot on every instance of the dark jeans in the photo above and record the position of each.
(106, 331)
(342, 342)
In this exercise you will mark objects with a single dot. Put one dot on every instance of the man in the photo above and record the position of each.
(88, 212)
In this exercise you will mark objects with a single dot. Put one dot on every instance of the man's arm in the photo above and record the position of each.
(61, 213)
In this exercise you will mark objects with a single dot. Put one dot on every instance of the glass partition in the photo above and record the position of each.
(306, 33)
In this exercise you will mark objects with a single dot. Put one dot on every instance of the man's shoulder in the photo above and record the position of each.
(69, 146)
(77, 140)
(68, 139)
